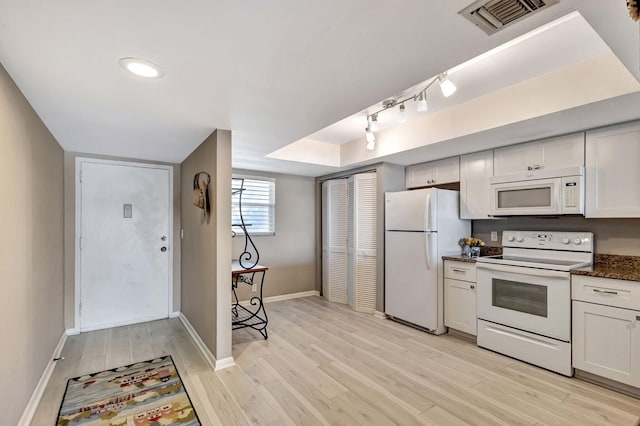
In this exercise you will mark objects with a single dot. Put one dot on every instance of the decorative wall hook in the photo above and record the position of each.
(200, 191)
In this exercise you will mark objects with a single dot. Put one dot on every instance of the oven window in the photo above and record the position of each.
(522, 297)
(530, 197)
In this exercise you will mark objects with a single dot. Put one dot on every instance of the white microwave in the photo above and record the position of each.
(552, 192)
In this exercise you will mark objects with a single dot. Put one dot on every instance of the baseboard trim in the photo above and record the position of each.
(202, 347)
(174, 314)
(286, 296)
(32, 405)
(72, 331)
(380, 315)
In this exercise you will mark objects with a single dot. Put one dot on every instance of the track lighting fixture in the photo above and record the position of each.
(422, 102)
(371, 139)
(402, 115)
(373, 122)
(446, 86)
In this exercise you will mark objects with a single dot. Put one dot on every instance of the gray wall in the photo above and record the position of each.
(70, 231)
(612, 236)
(206, 247)
(290, 253)
(31, 257)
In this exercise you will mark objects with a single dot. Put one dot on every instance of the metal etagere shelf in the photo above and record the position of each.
(246, 271)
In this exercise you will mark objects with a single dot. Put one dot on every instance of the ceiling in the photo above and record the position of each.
(277, 72)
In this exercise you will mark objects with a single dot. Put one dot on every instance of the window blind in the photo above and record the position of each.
(258, 205)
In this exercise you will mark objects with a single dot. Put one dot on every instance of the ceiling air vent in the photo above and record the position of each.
(493, 15)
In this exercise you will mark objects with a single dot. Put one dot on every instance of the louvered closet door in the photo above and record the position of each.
(351, 252)
(362, 292)
(334, 240)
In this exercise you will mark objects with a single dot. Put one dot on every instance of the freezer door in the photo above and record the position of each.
(411, 210)
(411, 284)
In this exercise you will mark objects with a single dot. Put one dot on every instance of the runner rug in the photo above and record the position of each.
(142, 394)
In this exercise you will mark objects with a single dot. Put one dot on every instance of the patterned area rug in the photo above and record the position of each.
(147, 393)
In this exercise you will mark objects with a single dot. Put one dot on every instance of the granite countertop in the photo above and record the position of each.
(460, 258)
(484, 251)
(612, 266)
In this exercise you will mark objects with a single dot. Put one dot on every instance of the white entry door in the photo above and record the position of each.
(124, 243)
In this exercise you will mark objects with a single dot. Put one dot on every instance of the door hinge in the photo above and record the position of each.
(80, 175)
(80, 309)
(80, 243)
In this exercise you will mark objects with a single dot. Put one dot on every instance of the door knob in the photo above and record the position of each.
(163, 249)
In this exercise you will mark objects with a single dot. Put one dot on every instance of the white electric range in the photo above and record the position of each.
(524, 296)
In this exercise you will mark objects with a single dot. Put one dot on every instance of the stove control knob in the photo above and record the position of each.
(519, 238)
(577, 241)
(510, 238)
(565, 240)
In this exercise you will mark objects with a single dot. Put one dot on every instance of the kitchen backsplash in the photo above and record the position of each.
(612, 236)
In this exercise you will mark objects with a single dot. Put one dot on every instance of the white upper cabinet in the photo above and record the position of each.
(547, 154)
(613, 172)
(433, 173)
(475, 171)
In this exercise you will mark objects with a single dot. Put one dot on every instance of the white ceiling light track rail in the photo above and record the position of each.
(446, 87)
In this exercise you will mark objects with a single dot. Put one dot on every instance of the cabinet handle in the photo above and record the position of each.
(459, 270)
(604, 291)
(473, 286)
(534, 167)
(637, 317)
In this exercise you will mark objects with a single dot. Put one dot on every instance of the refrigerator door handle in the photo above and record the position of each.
(428, 226)
(428, 238)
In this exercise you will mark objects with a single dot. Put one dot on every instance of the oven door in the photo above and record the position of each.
(530, 299)
(534, 197)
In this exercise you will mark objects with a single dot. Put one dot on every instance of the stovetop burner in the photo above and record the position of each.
(560, 251)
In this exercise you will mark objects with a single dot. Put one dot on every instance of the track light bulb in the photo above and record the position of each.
(422, 102)
(371, 138)
(373, 122)
(402, 115)
(446, 86)
(371, 145)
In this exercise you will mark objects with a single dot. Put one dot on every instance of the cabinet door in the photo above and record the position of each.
(561, 152)
(433, 173)
(511, 159)
(419, 175)
(606, 342)
(460, 306)
(613, 172)
(475, 171)
(546, 154)
(447, 170)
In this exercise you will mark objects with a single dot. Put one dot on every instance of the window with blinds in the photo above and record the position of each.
(258, 205)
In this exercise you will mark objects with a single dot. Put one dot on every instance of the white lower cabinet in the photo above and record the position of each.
(606, 336)
(460, 296)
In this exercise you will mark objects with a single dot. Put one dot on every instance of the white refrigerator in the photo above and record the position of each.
(421, 226)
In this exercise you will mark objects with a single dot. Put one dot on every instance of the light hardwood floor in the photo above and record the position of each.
(326, 365)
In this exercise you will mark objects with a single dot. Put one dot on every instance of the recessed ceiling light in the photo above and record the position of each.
(141, 67)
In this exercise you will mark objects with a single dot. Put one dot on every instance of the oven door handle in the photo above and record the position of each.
(546, 273)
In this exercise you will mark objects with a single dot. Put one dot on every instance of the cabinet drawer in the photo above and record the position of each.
(605, 291)
(463, 271)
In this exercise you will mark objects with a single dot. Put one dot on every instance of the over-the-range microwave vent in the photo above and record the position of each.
(494, 15)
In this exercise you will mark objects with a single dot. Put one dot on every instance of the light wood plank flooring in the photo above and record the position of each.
(326, 365)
